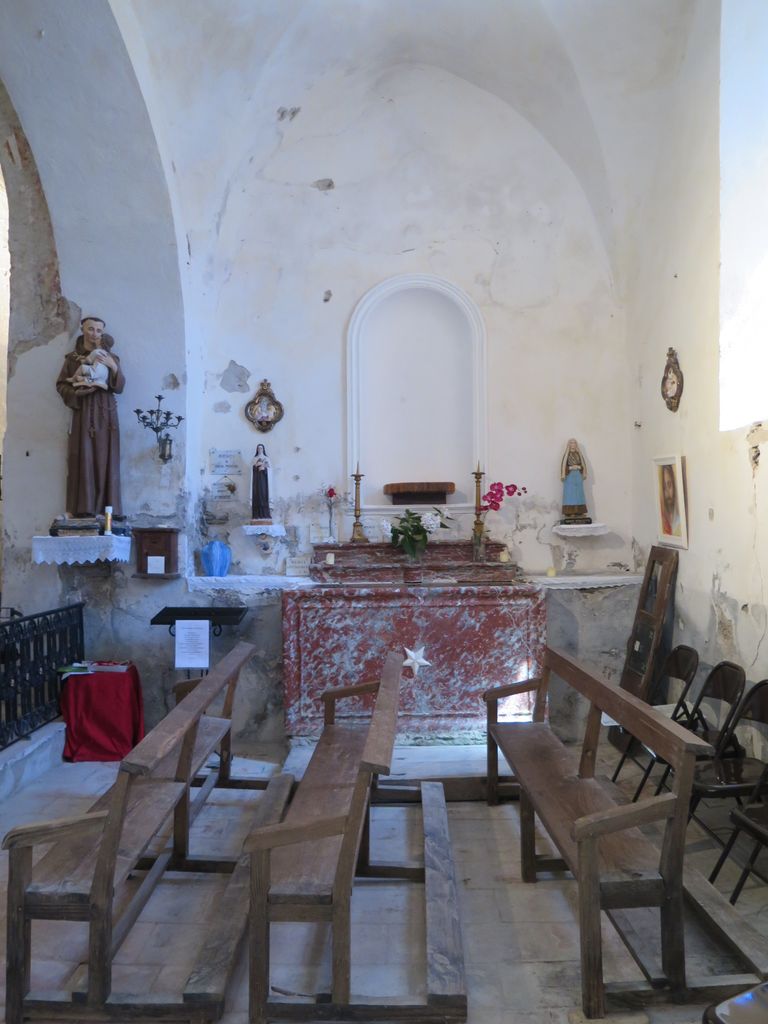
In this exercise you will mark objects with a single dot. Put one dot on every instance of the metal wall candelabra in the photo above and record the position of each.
(160, 421)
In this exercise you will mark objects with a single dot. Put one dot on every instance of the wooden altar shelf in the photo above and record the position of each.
(420, 493)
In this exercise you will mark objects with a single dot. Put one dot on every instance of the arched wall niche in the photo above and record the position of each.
(416, 385)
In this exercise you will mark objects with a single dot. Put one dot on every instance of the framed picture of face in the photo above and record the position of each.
(669, 475)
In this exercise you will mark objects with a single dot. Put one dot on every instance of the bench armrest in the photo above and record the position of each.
(329, 697)
(52, 831)
(497, 692)
(615, 819)
(286, 834)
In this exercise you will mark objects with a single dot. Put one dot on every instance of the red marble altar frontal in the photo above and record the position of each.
(474, 636)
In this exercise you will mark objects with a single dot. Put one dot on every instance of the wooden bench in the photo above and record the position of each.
(303, 869)
(594, 829)
(84, 875)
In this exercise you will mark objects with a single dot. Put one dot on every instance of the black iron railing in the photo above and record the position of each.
(32, 648)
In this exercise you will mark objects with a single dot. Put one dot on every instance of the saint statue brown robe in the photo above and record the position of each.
(93, 454)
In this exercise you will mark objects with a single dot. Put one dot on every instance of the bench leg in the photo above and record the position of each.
(19, 934)
(673, 938)
(492, 783)
(258, 925)
(341, 947)
(591, 940)
(527, 838)
(364, 853)
(100, 955)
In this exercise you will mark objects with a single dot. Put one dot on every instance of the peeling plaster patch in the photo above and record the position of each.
(287, 112)
(725, 611)
(235, 377)
(170, 383)
(65, 320)
(324, 184)
(327, 295)
(222, 407)
(638, 555)
(756, 435)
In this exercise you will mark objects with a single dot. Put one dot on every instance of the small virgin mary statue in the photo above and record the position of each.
(260, 487)
(573, 473)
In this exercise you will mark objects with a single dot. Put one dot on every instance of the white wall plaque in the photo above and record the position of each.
(225, 462)
(193, 638)
(155, 564)
(220, 490)
(298, 566)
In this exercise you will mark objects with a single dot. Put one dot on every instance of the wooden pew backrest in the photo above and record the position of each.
(167, 734)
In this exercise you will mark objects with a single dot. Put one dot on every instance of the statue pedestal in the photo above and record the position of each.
(79, 550)
(263, 529)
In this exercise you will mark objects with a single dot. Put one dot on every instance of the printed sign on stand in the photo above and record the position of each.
(193, 641)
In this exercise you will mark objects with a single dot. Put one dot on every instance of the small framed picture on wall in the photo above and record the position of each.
(669, 473)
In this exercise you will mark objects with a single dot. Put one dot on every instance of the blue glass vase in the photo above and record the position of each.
(216, 557)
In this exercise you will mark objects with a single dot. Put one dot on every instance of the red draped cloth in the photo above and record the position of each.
(104, 713)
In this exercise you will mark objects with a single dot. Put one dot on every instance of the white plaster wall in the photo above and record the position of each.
(674, 301)
(74, 90)
(5, 274)
(445, 158)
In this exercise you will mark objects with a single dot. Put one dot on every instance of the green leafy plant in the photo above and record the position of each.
(411, 532)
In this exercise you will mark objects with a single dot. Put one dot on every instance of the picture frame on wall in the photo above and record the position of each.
(669, 477)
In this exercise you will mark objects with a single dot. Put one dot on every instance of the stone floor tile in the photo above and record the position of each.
(479, 906)
(163, 944)
(393, 943)
(49, 975)
(385, 901)
(389, 983)
(182, 898)
(542, 902)
(484, 990)
(292, 982)
(60, 940)
(300, 943)
(135, 979)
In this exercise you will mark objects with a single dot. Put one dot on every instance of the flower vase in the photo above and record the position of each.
(412, 570)
(216, 558)
(331, 538)
(478, 546)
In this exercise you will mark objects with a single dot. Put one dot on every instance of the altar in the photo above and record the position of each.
(471, 626)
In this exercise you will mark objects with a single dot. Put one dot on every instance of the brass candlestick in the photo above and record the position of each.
(358, 537)
(479, 526)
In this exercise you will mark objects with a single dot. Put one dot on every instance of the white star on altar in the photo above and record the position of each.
(415, 659)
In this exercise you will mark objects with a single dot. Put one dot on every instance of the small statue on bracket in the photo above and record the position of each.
(573, 473)
(260, 487)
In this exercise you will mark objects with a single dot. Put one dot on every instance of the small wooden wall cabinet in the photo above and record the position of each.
(154, 543)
